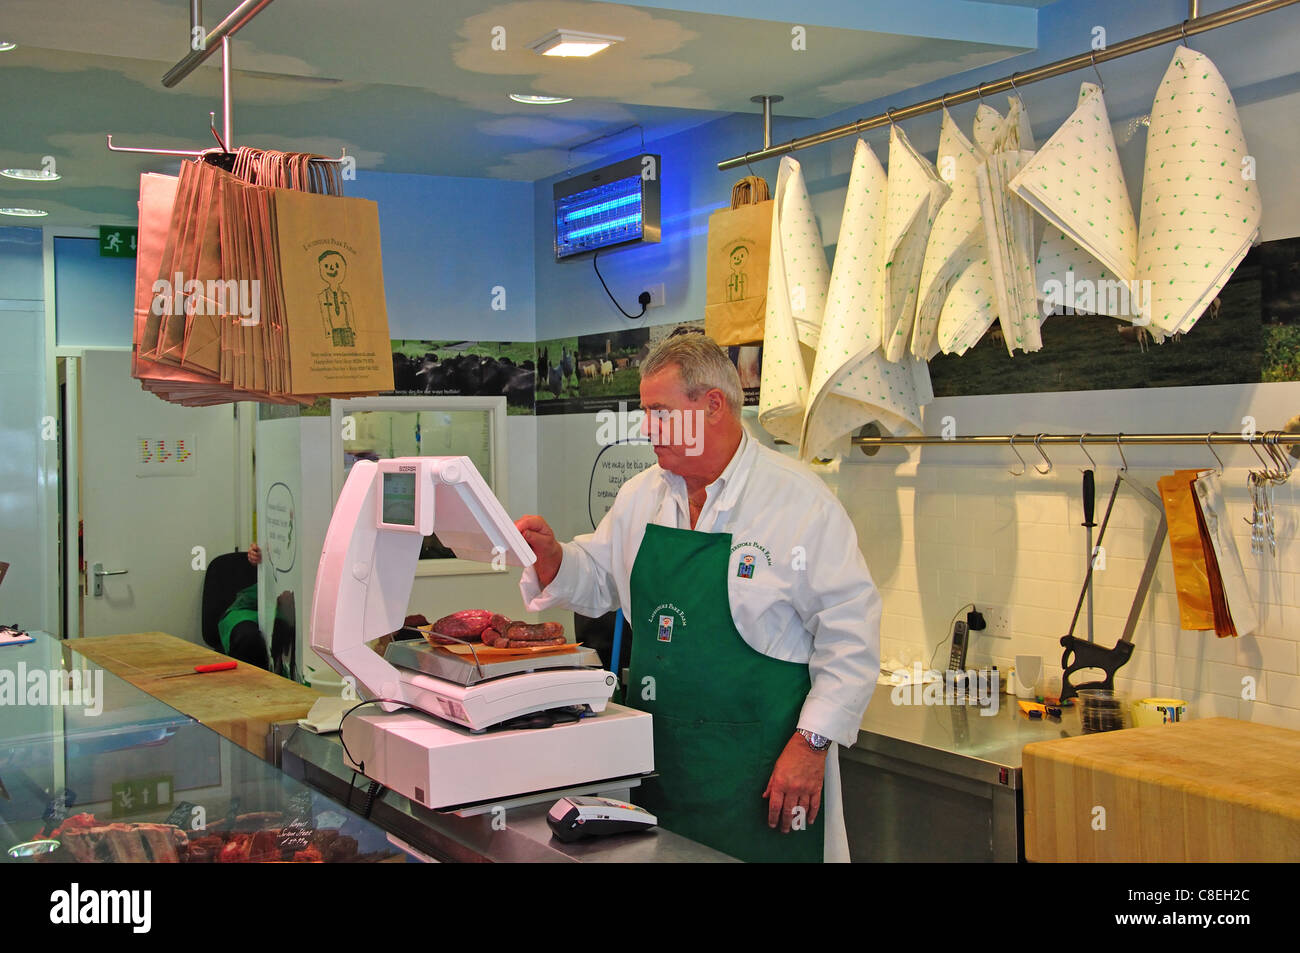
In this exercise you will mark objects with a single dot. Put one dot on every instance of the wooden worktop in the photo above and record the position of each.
(1214, 789)
(240, 704)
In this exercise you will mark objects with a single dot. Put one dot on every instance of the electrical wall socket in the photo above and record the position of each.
(995, 617)
(656, 295)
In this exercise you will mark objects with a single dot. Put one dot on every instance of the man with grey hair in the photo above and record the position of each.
(756, 626)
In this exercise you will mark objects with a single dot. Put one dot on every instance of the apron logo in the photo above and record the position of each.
(746, 568)
(665, 628)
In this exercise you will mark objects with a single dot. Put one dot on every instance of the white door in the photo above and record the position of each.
(158, 501)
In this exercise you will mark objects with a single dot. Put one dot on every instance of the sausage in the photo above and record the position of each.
(542, 632)
(529, 643)
(499, 622)
(467, 624)
(490, 635)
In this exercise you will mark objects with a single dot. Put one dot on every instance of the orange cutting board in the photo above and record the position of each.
(1216, 789)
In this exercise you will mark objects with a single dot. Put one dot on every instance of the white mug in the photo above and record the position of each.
(1029, 668)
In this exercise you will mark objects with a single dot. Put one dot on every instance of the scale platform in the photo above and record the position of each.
(442, 765)
(418, 655)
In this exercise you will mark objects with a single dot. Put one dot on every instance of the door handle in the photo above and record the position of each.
(98, 572)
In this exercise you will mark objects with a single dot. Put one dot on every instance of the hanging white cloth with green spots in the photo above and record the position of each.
(1200, 205)
(1009, 232)
(1075, 182)
(915, 195)
(971, 305)
(797, 278)
(955, 235)
(852, 382)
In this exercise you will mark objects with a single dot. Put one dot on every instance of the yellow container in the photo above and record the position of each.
(1158, 711)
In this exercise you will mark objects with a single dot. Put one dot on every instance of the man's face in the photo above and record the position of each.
(332, 268)
(738, 257)
(674, 423)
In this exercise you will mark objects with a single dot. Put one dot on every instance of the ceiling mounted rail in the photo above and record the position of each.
(203, 45)
(228, 27)
(1180, 31)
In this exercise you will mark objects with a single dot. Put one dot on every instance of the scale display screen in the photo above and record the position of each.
(615, 205)
(399, 499)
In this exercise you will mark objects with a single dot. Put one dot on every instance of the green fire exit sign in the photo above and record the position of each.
(116, 241)
(141, 795)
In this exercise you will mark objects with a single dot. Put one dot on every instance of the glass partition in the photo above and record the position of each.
(93, 770)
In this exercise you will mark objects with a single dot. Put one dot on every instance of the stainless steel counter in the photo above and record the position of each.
(940, 782)
(523, 837)
(960, 739)
(923, 782)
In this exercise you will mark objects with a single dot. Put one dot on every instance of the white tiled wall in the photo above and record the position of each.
(943, 536)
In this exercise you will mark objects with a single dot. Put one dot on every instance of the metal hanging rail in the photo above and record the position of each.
(1190, 27)
(1261, 438)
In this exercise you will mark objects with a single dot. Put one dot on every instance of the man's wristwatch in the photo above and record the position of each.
(815, 741)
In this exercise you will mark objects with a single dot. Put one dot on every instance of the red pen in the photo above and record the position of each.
(201, 669)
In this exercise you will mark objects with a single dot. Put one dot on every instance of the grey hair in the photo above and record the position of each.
(703, 365)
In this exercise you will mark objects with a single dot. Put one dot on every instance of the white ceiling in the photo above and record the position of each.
(416, 86)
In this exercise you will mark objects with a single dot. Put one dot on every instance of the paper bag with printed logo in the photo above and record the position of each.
(332, 292)
(735, 295)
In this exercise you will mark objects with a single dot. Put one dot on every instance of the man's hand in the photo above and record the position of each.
(541, 539)
(796, 782)
(254, 554)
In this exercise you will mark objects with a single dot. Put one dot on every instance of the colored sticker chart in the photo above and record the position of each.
(171, 455)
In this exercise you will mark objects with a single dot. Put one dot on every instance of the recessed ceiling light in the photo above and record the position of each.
(24, 212)
(31, 175)
(6, 46)
(531, 100)
(573, 43)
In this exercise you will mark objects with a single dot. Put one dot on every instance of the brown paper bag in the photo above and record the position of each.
(735, 295)
(1191, 573)
(332, 288)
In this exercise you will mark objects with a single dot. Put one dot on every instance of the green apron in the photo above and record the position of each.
(243, 609)
(723, 712)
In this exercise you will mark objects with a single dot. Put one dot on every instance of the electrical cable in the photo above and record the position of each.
(643, 299)
(369, 701)
(375, 789)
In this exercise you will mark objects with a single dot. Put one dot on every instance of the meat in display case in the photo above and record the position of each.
(93, 770)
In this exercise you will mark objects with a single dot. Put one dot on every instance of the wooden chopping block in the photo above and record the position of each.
(241, 704)
(1216, 789)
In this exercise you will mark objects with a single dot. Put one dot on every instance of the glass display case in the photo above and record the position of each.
(94, 770)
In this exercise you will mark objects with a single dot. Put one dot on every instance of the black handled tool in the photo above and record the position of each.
(1080, 655)
(1089, 504)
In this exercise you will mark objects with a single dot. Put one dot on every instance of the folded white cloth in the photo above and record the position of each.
(1009, 238)
(1004, 267)
(916, 193)
(971, 305)
(1200, 206)
(1076, 183)
(954, 237)
(852, 383)
(796, 297)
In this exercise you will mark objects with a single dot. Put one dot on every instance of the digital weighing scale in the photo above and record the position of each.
(439, 737)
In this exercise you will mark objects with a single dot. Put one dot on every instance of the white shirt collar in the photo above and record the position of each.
(721, 494)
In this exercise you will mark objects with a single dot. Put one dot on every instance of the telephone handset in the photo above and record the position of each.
(957, 658)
